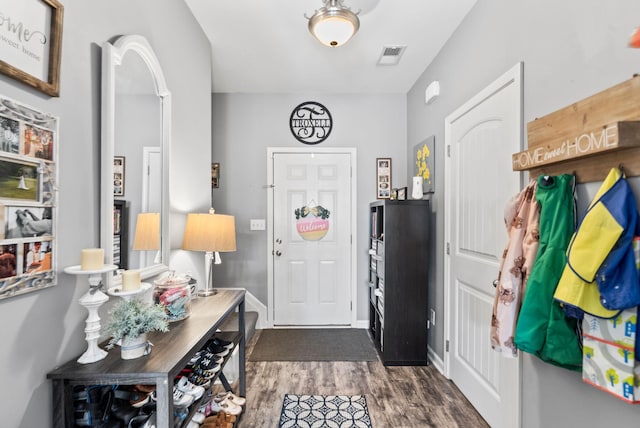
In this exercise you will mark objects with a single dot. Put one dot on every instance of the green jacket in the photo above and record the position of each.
(543, 329)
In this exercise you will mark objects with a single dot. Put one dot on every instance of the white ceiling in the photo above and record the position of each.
(263, 46)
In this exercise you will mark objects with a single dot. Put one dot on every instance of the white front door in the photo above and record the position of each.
(480, 136)
(151, 193)
(312, 238)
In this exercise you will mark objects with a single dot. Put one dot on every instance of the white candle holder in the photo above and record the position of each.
(92, 300)
(130, 294)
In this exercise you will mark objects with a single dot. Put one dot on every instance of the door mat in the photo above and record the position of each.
(330, 344)
(318, 411)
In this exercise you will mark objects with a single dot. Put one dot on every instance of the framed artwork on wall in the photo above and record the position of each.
(28, 198)
(31, 30)
(424, 157)
(383, 178)
(118, 175)
(215, 175)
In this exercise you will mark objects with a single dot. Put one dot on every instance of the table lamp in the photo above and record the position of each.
(147, 237)
(211, 233)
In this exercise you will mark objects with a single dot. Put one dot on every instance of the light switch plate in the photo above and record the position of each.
(257, 224)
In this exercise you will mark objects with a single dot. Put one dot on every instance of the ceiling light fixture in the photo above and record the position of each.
(333, 24)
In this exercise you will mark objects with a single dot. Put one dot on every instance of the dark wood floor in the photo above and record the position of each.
(397, 397)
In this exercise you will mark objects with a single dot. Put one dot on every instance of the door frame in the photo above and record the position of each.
(271, 151)
(512, 76)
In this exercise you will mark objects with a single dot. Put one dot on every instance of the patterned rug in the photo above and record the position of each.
(324, 411)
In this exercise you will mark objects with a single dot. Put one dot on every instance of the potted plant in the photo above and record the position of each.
(130, 321)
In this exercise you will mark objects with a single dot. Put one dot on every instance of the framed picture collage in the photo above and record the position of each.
(28, 159)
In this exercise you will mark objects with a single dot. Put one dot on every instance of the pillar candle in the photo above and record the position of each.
(92, 259)
(130, 280)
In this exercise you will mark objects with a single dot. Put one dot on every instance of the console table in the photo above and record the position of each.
(171, 352)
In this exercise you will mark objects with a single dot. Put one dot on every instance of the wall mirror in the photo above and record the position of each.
(136, 126)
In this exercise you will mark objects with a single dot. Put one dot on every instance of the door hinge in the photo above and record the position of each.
(449, 151)
(446, 346)
(448, 249)
(351, 305)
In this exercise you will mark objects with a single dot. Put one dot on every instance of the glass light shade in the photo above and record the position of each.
(334, 25)
(210, 232)
(147, 232)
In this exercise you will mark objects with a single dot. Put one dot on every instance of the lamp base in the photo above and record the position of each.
(207, 293)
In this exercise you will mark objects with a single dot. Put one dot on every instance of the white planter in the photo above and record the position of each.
(134, 347)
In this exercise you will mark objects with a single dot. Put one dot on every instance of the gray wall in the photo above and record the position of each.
(570, 49)
(44, 329)
(245, 125)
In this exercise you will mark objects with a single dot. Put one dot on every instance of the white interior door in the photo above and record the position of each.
(312, 239)
(480, 136)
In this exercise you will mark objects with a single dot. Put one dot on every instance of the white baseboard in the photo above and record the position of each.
(362, 324)
(435, 360)
(255, 305)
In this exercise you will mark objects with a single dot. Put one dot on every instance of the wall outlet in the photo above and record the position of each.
(257, 224)
(433, 317)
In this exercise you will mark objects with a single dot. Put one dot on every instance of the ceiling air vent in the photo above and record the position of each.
(391, 55)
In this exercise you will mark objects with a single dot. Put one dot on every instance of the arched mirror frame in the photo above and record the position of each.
(112, 57)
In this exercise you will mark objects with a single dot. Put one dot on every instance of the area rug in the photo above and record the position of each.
(324, 411)
(341, 344)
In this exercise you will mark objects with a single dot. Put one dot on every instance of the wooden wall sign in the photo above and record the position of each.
(618, 135)
(588, 137)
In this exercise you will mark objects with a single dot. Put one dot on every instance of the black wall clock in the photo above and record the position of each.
(310, 123)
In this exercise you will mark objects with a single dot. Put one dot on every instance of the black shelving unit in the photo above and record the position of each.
(398, 280)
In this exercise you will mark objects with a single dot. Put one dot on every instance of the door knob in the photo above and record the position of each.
(278, 253)
(278, 241)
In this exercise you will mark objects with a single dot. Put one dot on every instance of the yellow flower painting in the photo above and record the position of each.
(424, 162)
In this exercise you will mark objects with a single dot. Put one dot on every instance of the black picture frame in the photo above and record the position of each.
(121, 233)
(402, 194)
(215, 175)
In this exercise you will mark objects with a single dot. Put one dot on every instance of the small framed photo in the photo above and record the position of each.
(383, 178)
(8, 261)
(215, 175)
(37, 257)
(19, 180)
(118, 175)
(402, 194)
(9, 135)
(37, 142)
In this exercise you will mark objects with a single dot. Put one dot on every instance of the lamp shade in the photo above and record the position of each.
(147, 232)
(334, 24)
(209, 232)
